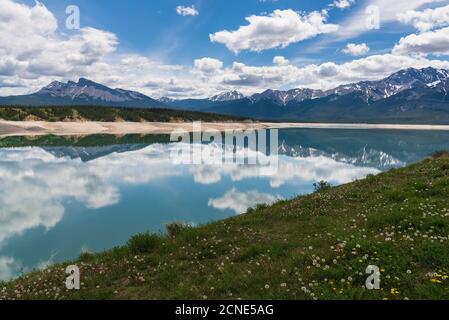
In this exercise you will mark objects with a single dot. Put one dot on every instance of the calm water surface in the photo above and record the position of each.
(58, 198)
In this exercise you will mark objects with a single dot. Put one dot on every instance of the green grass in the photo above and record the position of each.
(107, 114)
(311, 247)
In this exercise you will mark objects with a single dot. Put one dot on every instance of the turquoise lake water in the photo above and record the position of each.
(58, 199)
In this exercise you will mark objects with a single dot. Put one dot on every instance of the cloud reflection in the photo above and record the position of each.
(300, 169)
(239, 202)
(34, 183)
(8, 268)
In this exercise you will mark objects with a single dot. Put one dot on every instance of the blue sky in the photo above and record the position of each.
(148, 46)
(154, 28)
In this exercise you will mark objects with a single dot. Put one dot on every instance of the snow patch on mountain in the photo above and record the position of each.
(282, 98)
(227, 96)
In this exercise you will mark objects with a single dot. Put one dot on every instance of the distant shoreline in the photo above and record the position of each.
(364, 126)
(40, 128)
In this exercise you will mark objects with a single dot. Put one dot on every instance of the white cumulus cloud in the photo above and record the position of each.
(427, 19)
(430, 42)
(32, 52)
(208, 65)
(187, 11)
(280, 61)
(343, 4)
(276, 30)
(356, 49)
(383, 11)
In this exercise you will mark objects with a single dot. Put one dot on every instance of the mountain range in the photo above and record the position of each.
(408, 96)
(83, 92)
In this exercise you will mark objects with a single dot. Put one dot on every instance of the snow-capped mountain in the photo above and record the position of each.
(407, 96)
(370, 90)
(282, 98)
(166, 100)
(410, 95)
(227, 96)
(396, 83)
(83, 92)
(86, 89)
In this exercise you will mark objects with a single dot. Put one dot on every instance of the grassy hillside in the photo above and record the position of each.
(311, 247)
(96, 113)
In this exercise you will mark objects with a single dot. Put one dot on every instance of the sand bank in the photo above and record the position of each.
(36, 128)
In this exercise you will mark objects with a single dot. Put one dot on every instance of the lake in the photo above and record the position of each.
(61, 196)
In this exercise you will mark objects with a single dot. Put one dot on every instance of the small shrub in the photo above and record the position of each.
(86, 256)
(176, 228)
(440, 154)
(143, 243)
(250, 210)
(261, 206)
(321, 186)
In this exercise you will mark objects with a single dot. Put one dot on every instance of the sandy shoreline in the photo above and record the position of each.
(39, 128)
